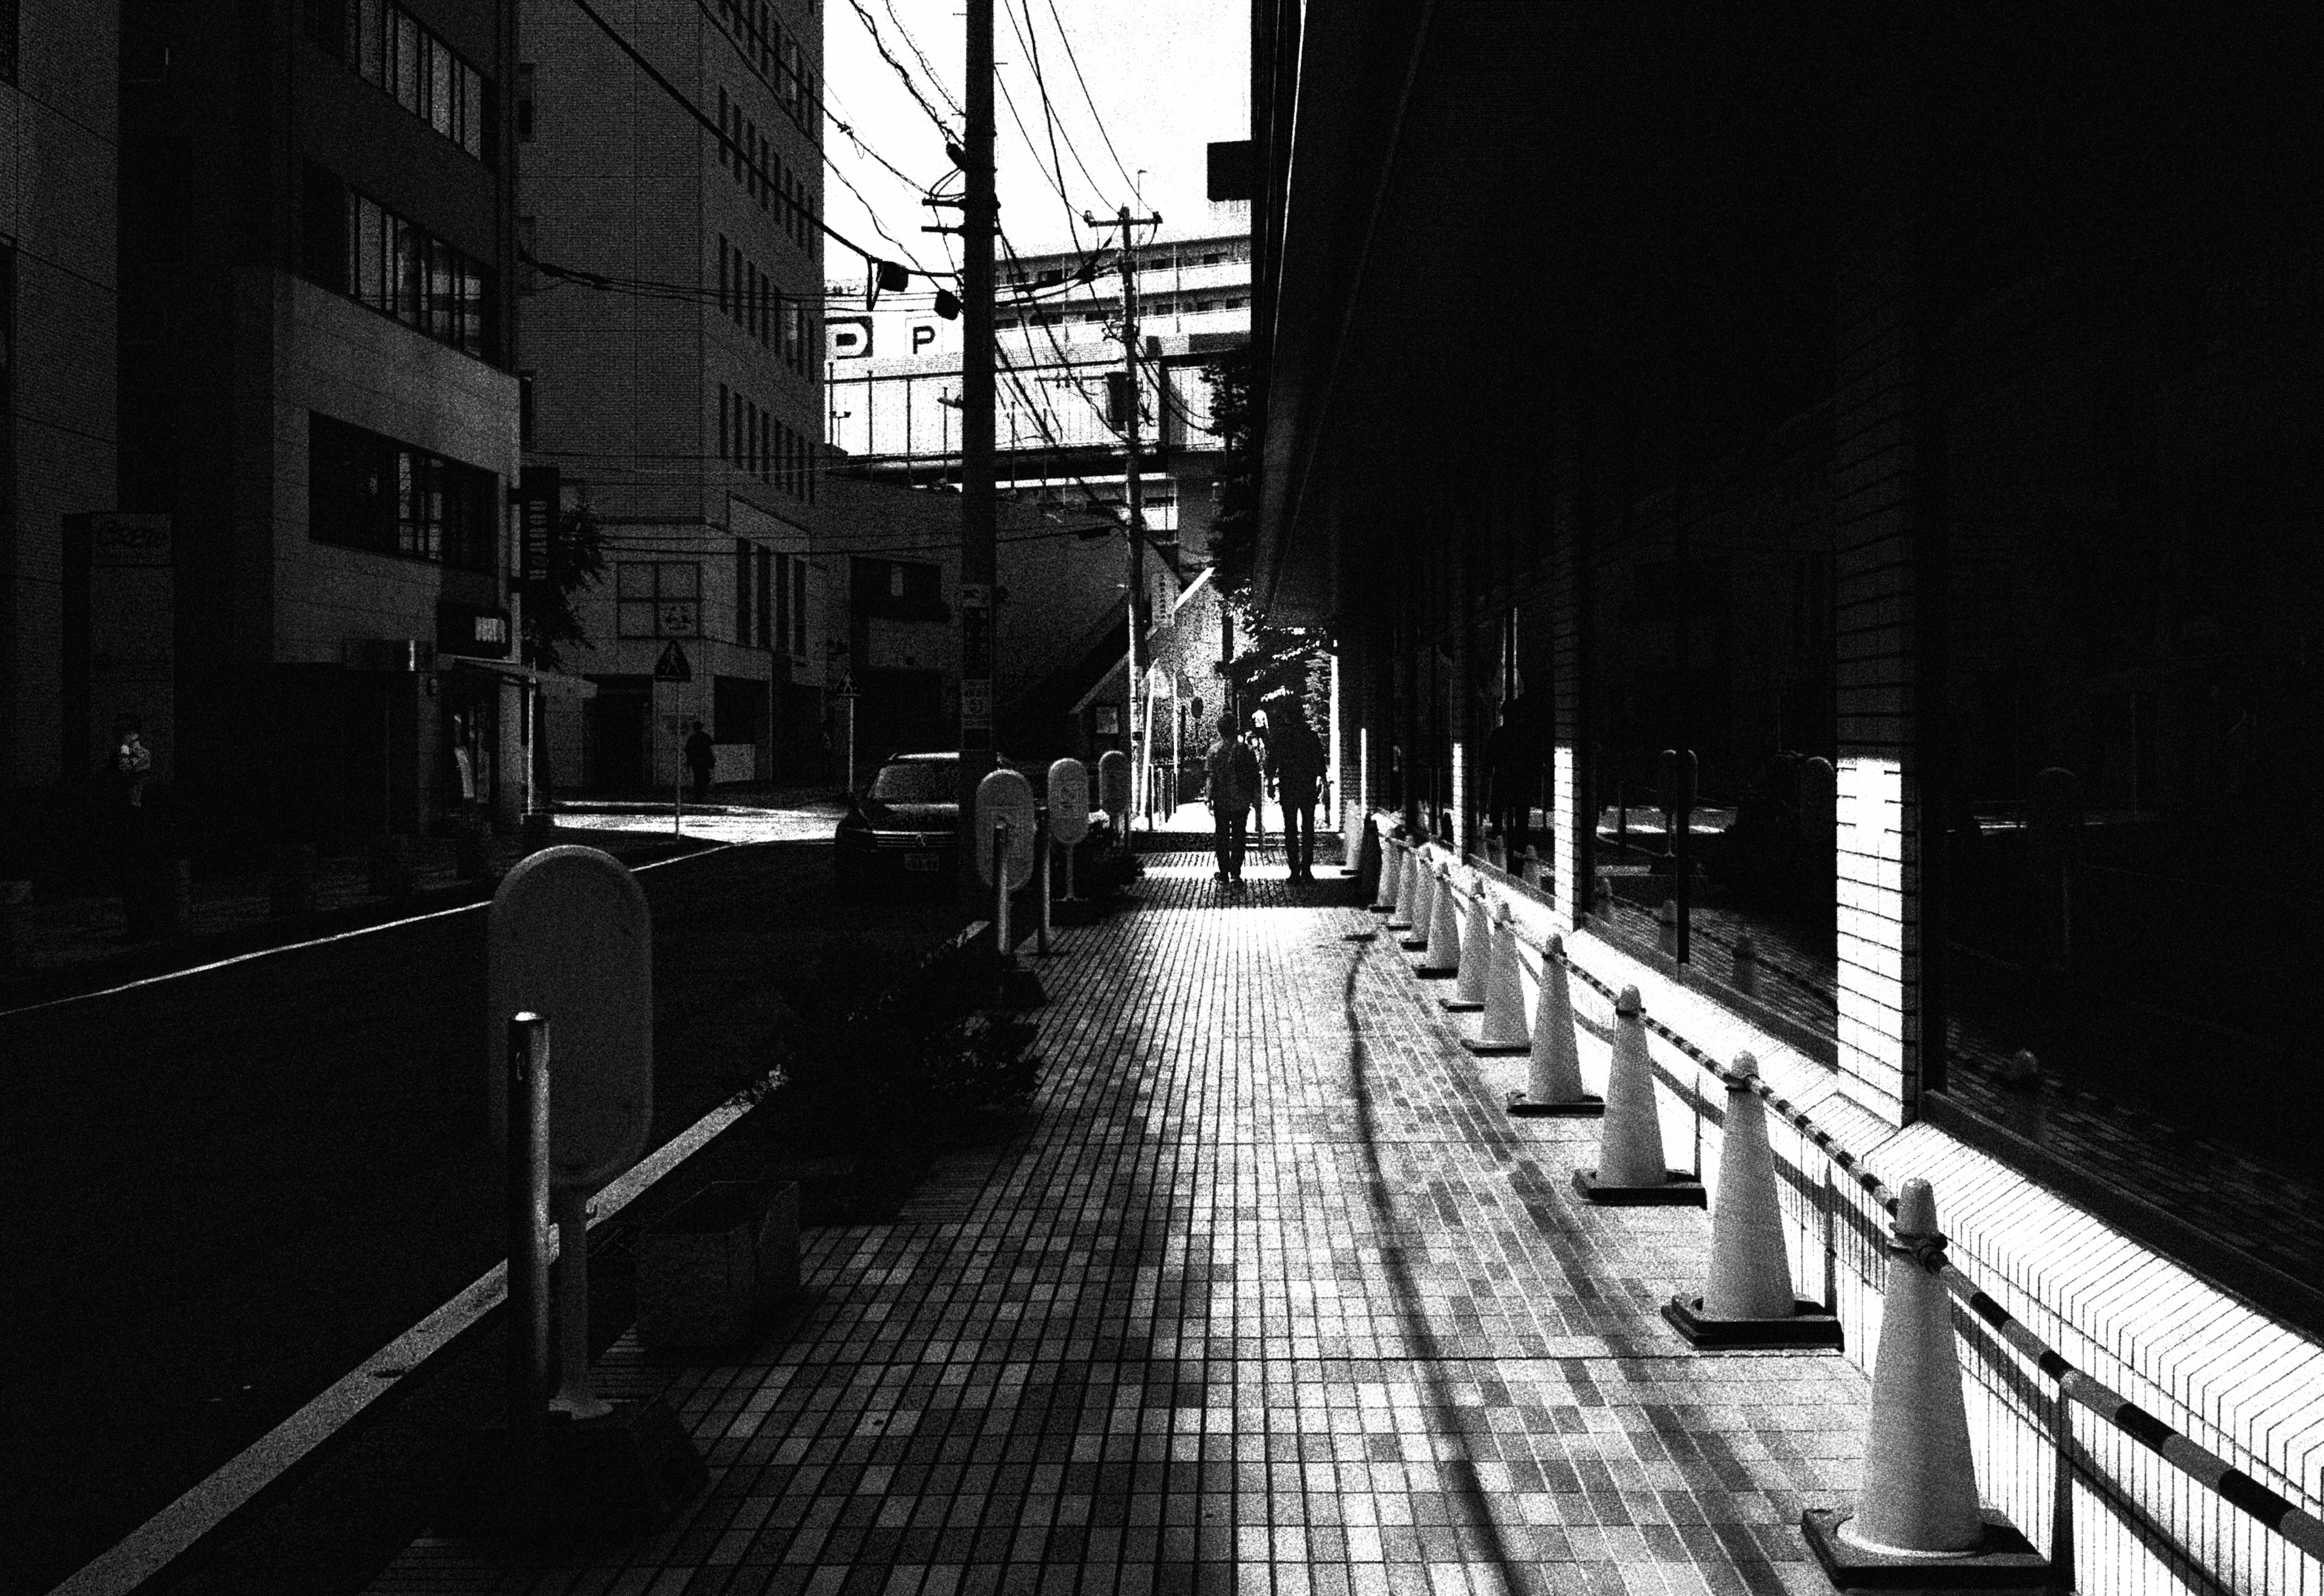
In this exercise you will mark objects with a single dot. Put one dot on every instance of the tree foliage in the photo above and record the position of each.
(576, 562)
(1234, 530)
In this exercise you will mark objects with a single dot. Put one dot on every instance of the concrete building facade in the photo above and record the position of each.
(318, 423)
(672, 356)
(59, 157)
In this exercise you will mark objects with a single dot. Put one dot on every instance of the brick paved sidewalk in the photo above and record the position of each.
(1272, 1296)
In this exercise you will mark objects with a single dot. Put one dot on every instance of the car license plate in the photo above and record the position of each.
(927, 860)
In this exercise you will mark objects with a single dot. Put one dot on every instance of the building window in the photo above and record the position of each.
(524, 409)
(741, 591)
(525, 78)
(370, 492)
(659, 598)
(798, 607)
(11, 25)
(424, 75)
(725, 399)
(395, 267)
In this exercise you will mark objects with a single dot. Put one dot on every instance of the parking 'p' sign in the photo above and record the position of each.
(570, 938)
(1069, 802)
(1004, 794)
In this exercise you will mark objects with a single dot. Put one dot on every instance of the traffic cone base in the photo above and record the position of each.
(1480, 1048)
(1678, 1190)
(1807, 1327)
(1462, 1006)
(1412, 943)
(2005, 1560)
(1584, 1107)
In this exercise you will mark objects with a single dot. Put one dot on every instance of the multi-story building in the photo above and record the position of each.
(672, 359)
(316, 406)
(58, 72)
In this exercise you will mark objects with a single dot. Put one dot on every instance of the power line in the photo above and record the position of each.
(913, 45)
(1074, 61)
(910, 87)
(752, 65)
(1031, 40)
(702, 118)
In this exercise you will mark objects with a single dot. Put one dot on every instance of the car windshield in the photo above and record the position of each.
(918, 782)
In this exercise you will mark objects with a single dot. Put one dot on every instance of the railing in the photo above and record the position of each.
(2074, 1386)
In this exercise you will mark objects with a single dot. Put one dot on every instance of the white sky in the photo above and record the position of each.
(1167, 78)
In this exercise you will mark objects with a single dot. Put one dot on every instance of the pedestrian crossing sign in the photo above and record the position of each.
(673, 666)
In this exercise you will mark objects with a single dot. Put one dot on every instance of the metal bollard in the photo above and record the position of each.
(1041, 865)
(1004, 946)
(1666, 919)
(1747, 967)
(528, 1267)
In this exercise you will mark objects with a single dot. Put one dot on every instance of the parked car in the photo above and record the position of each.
(904, 825)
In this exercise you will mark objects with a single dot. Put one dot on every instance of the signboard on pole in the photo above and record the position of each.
(1004, 794)
(1069, 802)
(569, 939)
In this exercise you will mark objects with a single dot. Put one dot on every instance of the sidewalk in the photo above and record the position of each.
(1271, 1297)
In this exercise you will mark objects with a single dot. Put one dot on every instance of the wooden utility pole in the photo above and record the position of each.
(1133, 490)
(979, 559)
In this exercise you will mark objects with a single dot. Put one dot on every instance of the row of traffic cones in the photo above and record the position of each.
(1918, 1521)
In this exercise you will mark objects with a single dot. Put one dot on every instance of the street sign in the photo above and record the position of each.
(673, 666)
(1113, 781)
(1004, 794)
(569, 939)
(846, 687)
(1069, 801)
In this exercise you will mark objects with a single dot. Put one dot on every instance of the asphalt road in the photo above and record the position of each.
(223, 1191)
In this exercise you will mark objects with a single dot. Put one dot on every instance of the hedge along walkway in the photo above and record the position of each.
(1272, 1296)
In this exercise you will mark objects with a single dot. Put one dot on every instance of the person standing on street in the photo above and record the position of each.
(701, 758)
(1230, 782)
(1295, 762)
(1256, 743)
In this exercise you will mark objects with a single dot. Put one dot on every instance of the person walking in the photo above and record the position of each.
(1257, 744)
(1230, 780)
(1295, 763)
(701, 758)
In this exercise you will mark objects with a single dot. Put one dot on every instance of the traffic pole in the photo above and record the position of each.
(528, 1267)
(1041, 847)
(1004, 946)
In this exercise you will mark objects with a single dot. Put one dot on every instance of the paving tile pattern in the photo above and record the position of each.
(1271, 1297)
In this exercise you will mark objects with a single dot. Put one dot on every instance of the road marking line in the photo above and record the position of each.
(260, 953)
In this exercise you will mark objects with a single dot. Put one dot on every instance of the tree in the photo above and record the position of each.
(1234, 530)
(576, 562)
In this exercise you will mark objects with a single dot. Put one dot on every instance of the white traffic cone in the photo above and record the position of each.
(1477, 961)
(1391, 864)
(1504, 1029)
(1630, 1167)
(1423, 879)
(1917, 1509)
(1554, 1085)
(1441, 959)
(1746, 1298)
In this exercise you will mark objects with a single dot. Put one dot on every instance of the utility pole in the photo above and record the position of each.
(1133, 492)
(978, 556)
